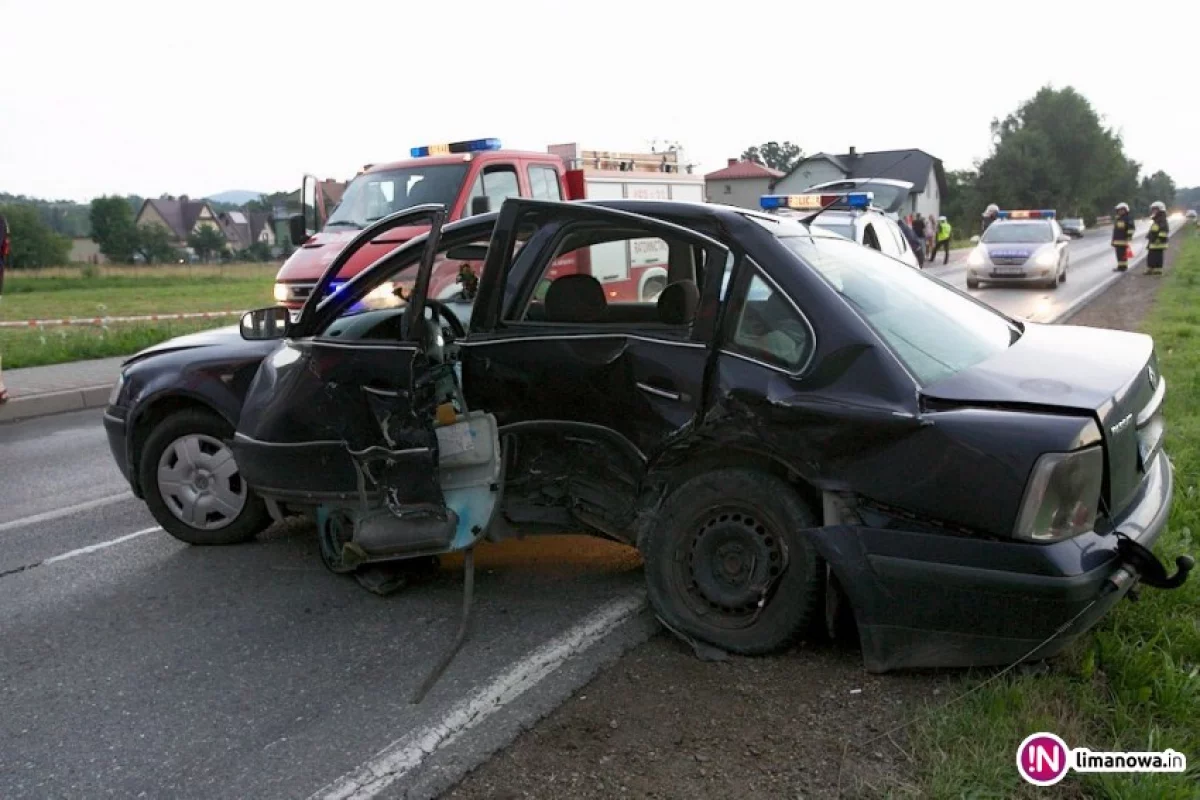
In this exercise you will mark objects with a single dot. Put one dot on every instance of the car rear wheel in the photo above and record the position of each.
(653, 288)
(726, 563)
(972, 283)
(192, 483)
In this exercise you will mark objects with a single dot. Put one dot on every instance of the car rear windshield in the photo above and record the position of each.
(374, 195)
(840, 228)
(1018, 232)
(935, 331)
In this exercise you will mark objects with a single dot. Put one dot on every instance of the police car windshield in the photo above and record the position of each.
(1018, 232)
(840, 228)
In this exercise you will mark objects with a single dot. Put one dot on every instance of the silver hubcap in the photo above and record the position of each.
(199, 481)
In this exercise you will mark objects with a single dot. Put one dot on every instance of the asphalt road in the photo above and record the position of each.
(150, 668)
(133, 665)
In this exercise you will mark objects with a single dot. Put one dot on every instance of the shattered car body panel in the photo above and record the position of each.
(910, 418)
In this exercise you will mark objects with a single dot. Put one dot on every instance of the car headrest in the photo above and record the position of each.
(575, 298)
(677, 303)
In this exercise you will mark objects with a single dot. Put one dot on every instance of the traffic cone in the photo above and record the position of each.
(1128, 252)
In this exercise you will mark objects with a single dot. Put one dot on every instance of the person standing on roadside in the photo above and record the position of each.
(942, 241)
(930, 232)
(1122, 235)
(1158, 238)
(989, 216)
(4, 248)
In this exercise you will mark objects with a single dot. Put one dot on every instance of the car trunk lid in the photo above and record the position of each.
(1110, 375)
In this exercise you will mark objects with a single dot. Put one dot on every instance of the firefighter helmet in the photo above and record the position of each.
(1158, 205)
(992, 210)
(1122, 206)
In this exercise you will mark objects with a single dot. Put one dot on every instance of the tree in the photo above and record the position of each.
(1158, 186)
(1188, 198)
(33, 243)
(961, 203)
(774, 155)
(206, 241)
(1053, 152)
(154, 244)
(113, 228)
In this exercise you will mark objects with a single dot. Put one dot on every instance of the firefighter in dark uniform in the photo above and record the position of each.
(1122, 235)
(1158, 238)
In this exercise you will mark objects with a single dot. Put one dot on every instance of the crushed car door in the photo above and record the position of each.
(371, 429)
(589, 388)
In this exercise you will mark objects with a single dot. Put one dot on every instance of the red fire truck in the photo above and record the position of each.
(473, 177)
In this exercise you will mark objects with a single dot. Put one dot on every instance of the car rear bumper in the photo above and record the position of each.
(931, 600)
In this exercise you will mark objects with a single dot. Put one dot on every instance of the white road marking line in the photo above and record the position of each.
(404, 755)
(91, 548)
(65, 512)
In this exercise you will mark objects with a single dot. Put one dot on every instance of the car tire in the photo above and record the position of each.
(190, 444)
(724, 540)
(972, 283)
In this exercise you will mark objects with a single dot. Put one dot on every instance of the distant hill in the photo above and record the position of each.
(235, 197)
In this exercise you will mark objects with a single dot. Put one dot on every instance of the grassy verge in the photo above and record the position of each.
(123, 291)
(1135, 683)
(33, 347)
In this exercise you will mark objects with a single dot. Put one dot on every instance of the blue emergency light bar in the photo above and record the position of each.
(817, 201)
(1035, 213)
(470, 146)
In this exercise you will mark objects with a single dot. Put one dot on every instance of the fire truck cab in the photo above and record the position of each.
(474, 177)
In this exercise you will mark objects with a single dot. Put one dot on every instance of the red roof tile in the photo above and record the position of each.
(743, 169)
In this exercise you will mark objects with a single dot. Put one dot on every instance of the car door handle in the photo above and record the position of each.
(664, 393)
(382, 391)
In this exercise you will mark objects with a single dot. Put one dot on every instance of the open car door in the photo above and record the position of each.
(373, 434)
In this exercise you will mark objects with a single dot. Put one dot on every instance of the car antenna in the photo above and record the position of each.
(808, 220)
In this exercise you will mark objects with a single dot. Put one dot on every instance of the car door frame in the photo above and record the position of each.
(508, 279)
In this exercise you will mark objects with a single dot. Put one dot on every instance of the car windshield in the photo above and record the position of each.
(1072, 222)
(887, 196)
(935, 331)
(374, 195)
(1022, 232)
(844, 229)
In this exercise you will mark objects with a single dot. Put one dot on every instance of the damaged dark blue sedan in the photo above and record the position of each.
(798, 433)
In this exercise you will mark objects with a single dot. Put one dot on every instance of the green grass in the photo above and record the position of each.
(124, 291)
(1134, 684)
(59, 344)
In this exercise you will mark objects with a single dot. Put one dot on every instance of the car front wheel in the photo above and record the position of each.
(192, 483)
(726, 563)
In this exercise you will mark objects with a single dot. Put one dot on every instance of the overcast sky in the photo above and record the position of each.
(161, 97)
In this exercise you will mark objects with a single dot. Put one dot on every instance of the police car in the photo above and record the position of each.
(1021, 247)
(853, 215)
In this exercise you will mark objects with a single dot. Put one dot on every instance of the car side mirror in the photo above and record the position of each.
(298, 229)
(480, 205)
(261, 324)
(1063, 238)
(975, 239)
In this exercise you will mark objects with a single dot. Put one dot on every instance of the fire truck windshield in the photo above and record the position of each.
(374, 195)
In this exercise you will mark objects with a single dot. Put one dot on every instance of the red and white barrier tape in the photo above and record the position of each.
(43, 323)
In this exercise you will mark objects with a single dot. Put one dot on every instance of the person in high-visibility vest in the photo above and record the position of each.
(1158, 239)
(943, 241)
(1122, 234)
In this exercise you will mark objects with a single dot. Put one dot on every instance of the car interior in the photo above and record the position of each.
(580, 298)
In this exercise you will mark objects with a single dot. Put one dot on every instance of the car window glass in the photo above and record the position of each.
(1018, 233)
(769, 329)
(616, 277)
(934, 330)
(898, 235)
(543, 183)
(871, 238)
(498, 183)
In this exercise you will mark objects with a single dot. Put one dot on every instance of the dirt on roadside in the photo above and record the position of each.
(661, 723)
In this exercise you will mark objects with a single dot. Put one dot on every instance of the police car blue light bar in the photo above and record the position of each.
(1026, 213)
(469, 146)
(817, 201)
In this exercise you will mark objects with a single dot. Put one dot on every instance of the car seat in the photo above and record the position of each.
(677, 303)
(576, 298)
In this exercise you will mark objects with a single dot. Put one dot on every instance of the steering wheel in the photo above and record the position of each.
(440, 309)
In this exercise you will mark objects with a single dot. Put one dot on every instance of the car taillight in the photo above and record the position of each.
(1062, 496)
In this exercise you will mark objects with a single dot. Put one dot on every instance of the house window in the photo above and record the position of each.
(728, 189)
